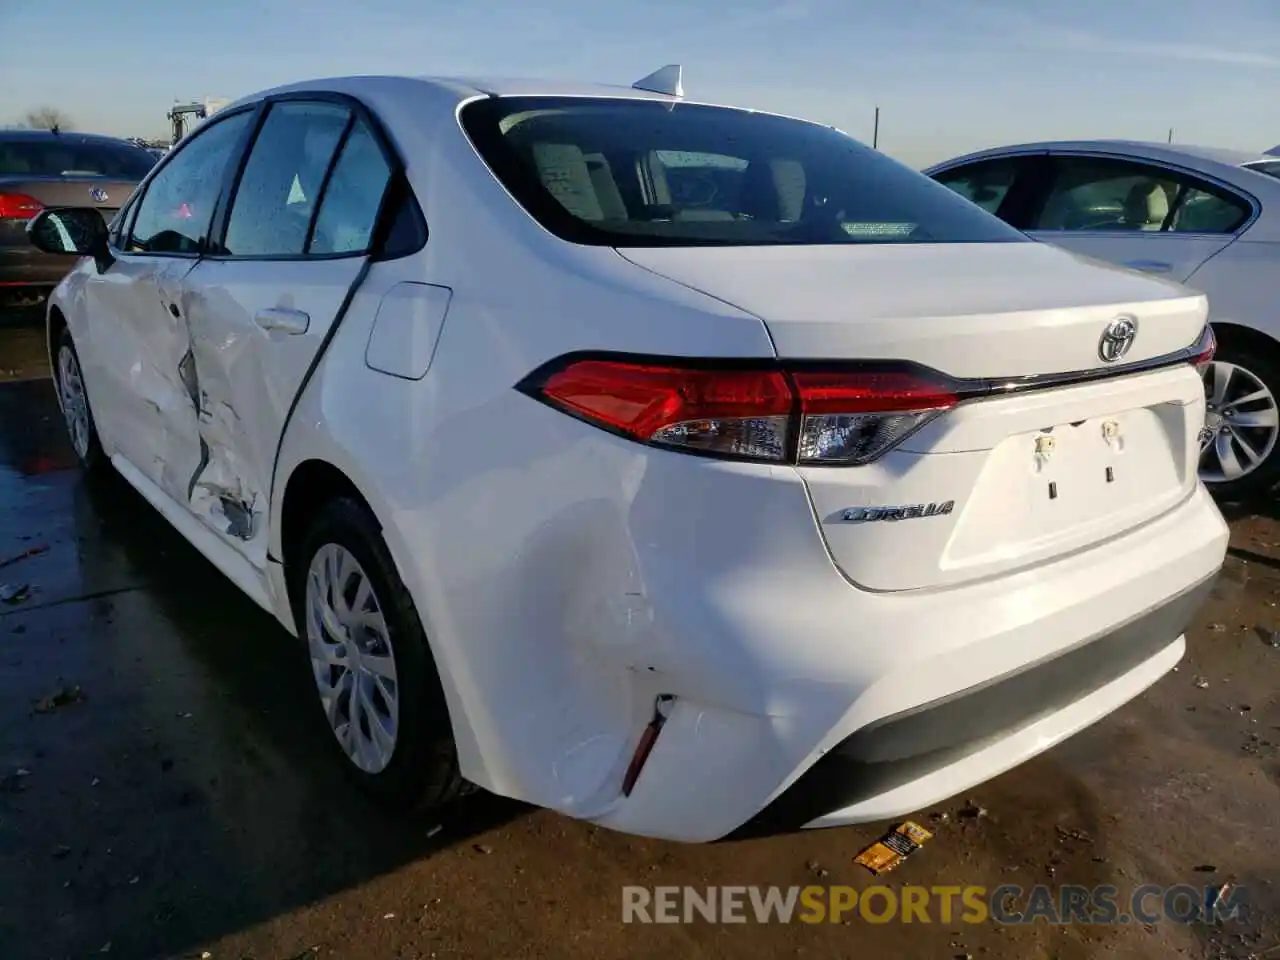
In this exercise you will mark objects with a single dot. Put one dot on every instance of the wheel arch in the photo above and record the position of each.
(311, 484)
(1238, 333)
(55, 323)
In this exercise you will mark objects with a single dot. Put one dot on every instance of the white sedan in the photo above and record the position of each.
(693, 470)
(1209, 218)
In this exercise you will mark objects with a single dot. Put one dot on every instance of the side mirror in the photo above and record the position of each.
(78, 231)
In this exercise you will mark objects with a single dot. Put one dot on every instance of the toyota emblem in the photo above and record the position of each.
(99, 195)
(1117, 339)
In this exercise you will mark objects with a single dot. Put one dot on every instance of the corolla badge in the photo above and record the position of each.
(99, 195)
(1117, 339)
(915, 511)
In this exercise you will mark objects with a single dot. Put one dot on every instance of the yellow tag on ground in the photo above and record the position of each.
(885, 854)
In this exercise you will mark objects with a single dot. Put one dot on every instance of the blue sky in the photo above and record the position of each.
(949, 75)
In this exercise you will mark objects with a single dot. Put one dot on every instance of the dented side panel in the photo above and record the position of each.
(253, 329)
(138, 340)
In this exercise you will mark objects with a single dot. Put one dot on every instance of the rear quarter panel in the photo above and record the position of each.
(1242, 283)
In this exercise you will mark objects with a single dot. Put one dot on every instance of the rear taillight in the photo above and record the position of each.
(853, 417)
(803, 414)
(18, 206)
(1204, 349)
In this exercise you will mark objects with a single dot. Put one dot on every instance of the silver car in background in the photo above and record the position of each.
(1206, 217)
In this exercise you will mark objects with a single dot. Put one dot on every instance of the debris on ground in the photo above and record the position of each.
(817, 869)
(62, 698)
(1066, 833)
(1214, 898)
(29, 552)
(482, 848)
(971, 811)
(889, 851)
(1205, 868)
(1217, 628)
(1201, 683)
(1270, 637)
(14, 593)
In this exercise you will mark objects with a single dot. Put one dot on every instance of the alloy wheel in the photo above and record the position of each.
(75, 407)
(1242, 423)
(352, 659)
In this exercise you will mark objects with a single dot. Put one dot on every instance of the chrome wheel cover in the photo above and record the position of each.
(352, 658)
(1242, 423)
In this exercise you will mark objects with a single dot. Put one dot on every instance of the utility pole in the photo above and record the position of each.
(875, 132)
(1170, 135)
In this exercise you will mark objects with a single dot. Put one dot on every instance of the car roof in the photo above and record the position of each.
(458, 89)
(1187, 154)
(15, 133)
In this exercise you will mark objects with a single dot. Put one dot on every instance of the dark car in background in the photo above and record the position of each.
(45, 168)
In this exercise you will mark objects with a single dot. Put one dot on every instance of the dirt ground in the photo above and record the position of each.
(182, 801)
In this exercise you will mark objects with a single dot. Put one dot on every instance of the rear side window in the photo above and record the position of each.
(1103, 194)
(280, 187)
(349, 209)
(66, 155)
(623, 172)
(985, 183)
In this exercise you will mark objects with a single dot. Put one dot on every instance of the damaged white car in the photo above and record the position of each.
(692, 470)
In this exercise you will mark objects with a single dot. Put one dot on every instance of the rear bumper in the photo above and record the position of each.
(22, 265)
(893, 753)
(870, 706)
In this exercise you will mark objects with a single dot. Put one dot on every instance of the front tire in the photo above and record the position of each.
(379, 690)
(73, 398)
(1240, 455)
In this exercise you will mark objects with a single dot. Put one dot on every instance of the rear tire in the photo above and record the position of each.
(379, 690)
(73, 399)
(1240, 455)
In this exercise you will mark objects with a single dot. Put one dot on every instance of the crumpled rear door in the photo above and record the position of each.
(254, 329)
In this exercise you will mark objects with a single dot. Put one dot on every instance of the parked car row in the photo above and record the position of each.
(693, 470)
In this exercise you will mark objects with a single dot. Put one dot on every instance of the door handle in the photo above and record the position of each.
(283, 319)
(1150, 266)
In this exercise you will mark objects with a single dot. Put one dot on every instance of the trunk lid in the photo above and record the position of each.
(969, 310)
(100, 193)
(995, 484)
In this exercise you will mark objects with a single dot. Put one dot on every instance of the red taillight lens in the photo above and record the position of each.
(1204, 349)
(809, 415)
(18, 206)
(742, 413)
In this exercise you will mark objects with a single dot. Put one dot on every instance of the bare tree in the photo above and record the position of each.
(46, 118)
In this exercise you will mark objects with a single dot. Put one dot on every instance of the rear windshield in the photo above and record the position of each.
(1271, 166)
(65, 155)
(623, 173)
